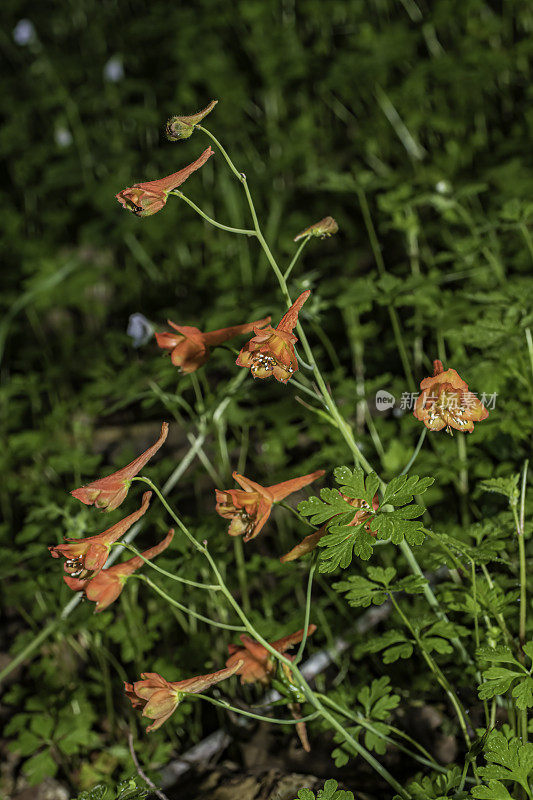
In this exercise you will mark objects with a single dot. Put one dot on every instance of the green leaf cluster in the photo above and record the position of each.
(506, 486)
(129, 789)
(498, 680)
(361, 591)
(395, 643)
(507, 760)
(437, 787)
(329, 792)
(375, 704)
(345, 540)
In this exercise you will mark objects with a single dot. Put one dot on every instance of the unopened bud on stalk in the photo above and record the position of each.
(183, 127)
(326, 227)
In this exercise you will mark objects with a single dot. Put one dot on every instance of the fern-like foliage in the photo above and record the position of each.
(130, 789)
(344, 540)
(329, 792)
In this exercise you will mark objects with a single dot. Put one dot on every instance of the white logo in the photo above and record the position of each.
(384, 400)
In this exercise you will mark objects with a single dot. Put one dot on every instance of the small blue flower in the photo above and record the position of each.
(24, 32)
(113, 70)
(140, 329)
(63, 136)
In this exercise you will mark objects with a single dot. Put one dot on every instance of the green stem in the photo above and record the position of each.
(463, 775)
(306, 390)
(520, 532)
(174, 516)
(363, 752)
(476, 632)
(459, 566)
(492, 713)
(198, 393)
(297, 514)
(171, 575)
(242, 231)
(498, 616)
(527, 237)
(427, 758)
(523, 576)
(529, 340)
(307, 615)
(417, 449)
(186, 610)
(295, 258)
(217, 143)
(241, 573)
(523, 498)
(441, 678)
(430, 597)
(463, 477)
(206, 462)
(223, 704)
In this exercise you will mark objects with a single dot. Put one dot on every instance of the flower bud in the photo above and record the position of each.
(326, 227)
(183, 127)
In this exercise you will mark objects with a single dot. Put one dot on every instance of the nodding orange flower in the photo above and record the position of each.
(104, 588)
(145, 199)
(159, 698)
(86, 557)
(309, 543)
(249, 508)
(183, 127)
(326, 227)
(108, 493)
(271, 351)
(191, 348)
(257, 664)
(446, 402)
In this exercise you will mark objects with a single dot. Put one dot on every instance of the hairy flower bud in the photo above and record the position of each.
(145, 199)
(183, 127)
(326, 227)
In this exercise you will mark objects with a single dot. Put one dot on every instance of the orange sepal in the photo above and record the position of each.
(108, 493)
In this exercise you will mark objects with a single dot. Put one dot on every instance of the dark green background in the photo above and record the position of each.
(422, 108)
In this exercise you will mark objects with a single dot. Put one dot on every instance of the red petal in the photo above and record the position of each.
(282, 490)
(288, 322)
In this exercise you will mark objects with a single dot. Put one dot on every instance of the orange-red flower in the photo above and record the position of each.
(309, 543)
(183, 127)
(159, 698)
(104, 588)
(326, 227)
(446, 402)
(108, 493)
(191, 348)
(271, 351)
(86, 557)
(249, 508)
(257, 664)
(145, 199)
